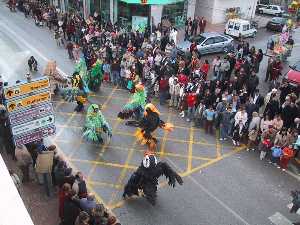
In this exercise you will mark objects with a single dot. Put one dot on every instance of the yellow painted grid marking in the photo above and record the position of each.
(125, 167)
(164, 139)
(190, 153)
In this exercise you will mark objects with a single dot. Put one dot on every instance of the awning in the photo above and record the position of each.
(151, 2)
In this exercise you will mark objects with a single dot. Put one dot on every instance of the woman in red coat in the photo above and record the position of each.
(205, 69)
(276, 70)
(62, 196)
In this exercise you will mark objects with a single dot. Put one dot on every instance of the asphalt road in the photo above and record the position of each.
(222, 185)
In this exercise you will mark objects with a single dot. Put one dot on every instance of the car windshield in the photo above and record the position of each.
(278, 20)
(199, 39)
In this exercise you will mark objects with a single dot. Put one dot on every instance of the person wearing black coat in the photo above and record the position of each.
(289, 113)
(258, 99)
(71, 209)
(272, 108)
(252, 83)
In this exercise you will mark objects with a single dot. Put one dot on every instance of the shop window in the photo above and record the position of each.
(175, 13)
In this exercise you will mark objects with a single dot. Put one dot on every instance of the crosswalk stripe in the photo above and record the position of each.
(279, 219)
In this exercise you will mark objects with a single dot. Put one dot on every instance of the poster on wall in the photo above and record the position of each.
(139, 23)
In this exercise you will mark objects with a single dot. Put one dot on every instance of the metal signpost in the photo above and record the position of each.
(30, 111)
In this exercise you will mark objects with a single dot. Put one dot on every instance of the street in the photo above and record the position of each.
(223, 184)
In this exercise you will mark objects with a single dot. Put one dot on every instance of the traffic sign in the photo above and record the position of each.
(26, 88)
(35, 135)
(33, 125)
(36, 112)
(28, 101)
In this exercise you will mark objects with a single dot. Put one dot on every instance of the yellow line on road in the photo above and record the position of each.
(195, 169)
(123, 172)
(190, 153)
(218, 145)
(164, 139)
(106, 164)
(105, 184)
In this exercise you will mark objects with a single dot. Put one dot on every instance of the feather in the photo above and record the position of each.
(169, 173)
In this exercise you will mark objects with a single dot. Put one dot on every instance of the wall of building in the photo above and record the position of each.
(219, 12)
(215, 10)
(204, 8)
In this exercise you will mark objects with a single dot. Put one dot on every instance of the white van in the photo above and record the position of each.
(240, 28)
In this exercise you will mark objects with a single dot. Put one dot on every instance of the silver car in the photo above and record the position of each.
(208, 42)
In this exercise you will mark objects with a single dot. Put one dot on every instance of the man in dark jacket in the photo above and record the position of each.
(71, 209)
(252, 83)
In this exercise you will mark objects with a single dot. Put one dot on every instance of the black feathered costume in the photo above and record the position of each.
(145, 178)
(149, 123)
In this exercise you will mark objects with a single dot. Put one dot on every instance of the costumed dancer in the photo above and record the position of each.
(81, 69)
(135, 107)
(95, 124)
(76, 92)
(95, 76)
(145, 178)
(149, 123)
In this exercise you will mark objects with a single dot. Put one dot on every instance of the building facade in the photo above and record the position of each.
(216, 11)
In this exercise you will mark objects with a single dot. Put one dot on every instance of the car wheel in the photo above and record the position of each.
(254, 34)
(260, 12)
(278, 14)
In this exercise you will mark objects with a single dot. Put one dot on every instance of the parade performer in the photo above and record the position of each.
(135, 107)
(95, 76)
(145, 178)
(81, 69)
(149, 123)
(95, 124)
(76, 92)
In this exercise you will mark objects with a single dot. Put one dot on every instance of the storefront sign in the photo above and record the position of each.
(30, 114)
(35, 135)
(26, 88)
(19, 104)
(32, 125)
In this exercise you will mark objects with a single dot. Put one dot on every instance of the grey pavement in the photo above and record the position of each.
(222, 185)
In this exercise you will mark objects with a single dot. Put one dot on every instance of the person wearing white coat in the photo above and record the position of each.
(241, 115)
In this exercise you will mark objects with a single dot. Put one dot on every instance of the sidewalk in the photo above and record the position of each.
(42, 209)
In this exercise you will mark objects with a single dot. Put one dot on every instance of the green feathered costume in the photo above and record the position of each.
(95, 76)
(136, 104)
(95, 124)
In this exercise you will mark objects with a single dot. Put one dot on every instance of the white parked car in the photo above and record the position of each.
(275, 10)
(240, 28)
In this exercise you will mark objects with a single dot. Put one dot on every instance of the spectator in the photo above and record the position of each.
(238, 132)
(79, 185)
(71, 209)
(24, 161)
(62, 196)
(191, 102)
(82, 219)
(88, 203)
(209, 115)
(225, 122)
(240, 117)
(163, 90)
(99, 216)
